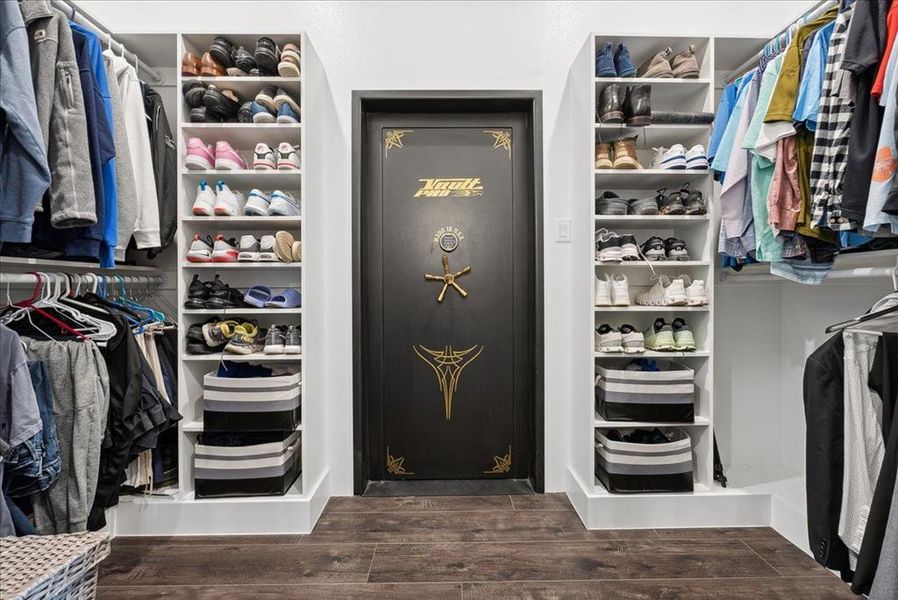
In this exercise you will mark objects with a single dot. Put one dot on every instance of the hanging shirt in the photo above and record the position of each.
(808, 102)
(722, 156)
(722, 117)
(732, 196)
(891, 30)
(886, 156)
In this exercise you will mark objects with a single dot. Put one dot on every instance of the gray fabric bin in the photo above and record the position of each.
(667, 395)
(627, 467)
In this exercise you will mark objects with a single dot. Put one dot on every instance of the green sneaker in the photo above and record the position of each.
(684, 341)
(660, 337)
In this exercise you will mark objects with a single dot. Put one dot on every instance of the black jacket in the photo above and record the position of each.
(165, 167)
(824, 410)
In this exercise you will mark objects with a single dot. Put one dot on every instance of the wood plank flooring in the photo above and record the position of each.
(473, 547)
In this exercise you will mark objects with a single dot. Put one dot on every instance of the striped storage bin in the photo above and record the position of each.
(246, 464)
(251, 403)
(667, 395)
(626, 467)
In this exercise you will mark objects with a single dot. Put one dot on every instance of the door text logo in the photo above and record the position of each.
(450, 186)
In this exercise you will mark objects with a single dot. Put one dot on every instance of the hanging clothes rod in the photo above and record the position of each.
(858, 273)
(82, 17)
(135, 280)
(818, 9)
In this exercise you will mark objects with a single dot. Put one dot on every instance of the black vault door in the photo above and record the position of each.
(450, 405)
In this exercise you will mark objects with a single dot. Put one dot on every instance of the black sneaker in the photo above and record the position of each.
(628, 248)
(224, 296)
(676, 249)
(610, 203)
(670, 204)
(197, 293)
(245, 114)
(243, 60)
(653, 249)
(221, 50)
(220, 103)
(193, 92)
(202, 348)
(693, 201)
(293, 340)
(195, 332)
(274, 340)
(267, 56)
(607, 246)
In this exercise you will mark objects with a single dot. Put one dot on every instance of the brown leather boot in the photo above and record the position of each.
(684, 64)
(211, 67)
(625, 154)
(190, 64)
(603, 156)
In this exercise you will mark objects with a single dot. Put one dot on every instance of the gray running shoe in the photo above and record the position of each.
(643, 206)
(610, 203)
(293, 341)
(274, 340)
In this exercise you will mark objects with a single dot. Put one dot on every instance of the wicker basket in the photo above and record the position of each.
(45, 567)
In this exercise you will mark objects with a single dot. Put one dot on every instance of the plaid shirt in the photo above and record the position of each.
(831, 139)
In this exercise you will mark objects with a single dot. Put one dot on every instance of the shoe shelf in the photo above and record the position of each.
(197, 426)
(230, 312)
(247, 87)
(242, 265)
(254, 357)
(245, 136)
(243, 180)
(244, 222)
(673, 95)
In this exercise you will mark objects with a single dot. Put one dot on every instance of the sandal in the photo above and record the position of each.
(257, 296)
(289, 298)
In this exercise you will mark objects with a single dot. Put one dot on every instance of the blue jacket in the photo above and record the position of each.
(24, 173)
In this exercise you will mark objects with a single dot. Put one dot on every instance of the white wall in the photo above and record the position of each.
(447, 45)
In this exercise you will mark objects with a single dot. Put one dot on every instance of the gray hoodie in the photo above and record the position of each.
(60, 110)
(124, 172)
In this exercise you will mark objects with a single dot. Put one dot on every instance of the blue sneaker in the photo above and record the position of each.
(622, 62)
(605, 62)
(257, 203)
(262, 114)
(287, 114)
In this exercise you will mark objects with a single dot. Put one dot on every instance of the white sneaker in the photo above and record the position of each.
(665, 292)
(264, 158)
(267, 249)
(249, 249)
(670, 158)
(283, 204)
(200, 250)
(205, 200)
(224, 250)
(227, 202)
(697, 158)
(632, 340)
(603, 291)
(287, 157)
(696, 294)
(257, 203)
(608, 339)
(620, 290)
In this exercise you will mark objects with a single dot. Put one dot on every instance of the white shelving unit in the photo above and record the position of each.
(298, 509)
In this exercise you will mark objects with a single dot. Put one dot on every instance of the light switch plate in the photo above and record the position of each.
(563, 230)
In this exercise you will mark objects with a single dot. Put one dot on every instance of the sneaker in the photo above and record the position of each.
(657, 66)
(287, 157)
(659, 337)
(264, 158)
(193, 91)
(262, 114)
(265, 98)
(223, 103)
(622, 62)
(670, 204)
(200, 250)
(257, 203)
(602, 291)
(267, 56)
(224, 250)
(696, 293)
(217, 333)
(267, 246)
(608, 339)
(287, 115)
(274, 340)
(227, 203)
(243, 60)
(628, 248)
(199, 155)
(249, 249)
(197, 293)
(283, 246)
(282, 98)
(653, 249)
(684, 64)
(697, 158)
(195, 332)
(227, 158)
(620, 290)
(607, 246)
(669, 158)
(222, 50)
(610, 203)
(676, 249)
(204, 203)
(665, 292)
(245, 339)
(293, 341)
(283, 204)
(223, 296)
(605, 61)
(642, 206)
(632, 340)
(245, 114)
(290, 61)
(693, 201)
(684, 341)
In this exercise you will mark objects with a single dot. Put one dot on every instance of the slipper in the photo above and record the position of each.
(289, 298)
(257, 296)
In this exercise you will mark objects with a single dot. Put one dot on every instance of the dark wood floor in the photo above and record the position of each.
(467, 547)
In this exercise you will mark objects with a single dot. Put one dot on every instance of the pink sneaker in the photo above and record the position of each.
(199, 155)
(228, 158)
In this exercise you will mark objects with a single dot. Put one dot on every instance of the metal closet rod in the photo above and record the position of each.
(31, 278)
(82, 17)
(818, 9)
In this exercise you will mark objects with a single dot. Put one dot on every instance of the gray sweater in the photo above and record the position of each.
(124, 171)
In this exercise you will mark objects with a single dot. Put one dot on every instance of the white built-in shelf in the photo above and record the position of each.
(650, 136)
(646, 178)
(245, 136)
(241, 311)
(699, 489)
(653, 221)
(266, 180)
(242, 265)
(636, 308)
(653, 354)
(244, 222)
(700, 84)
(241, 126)
(197, 426)
(600, 422)
(246, 88)
(255, 357)
(663, 264)
(29, 264)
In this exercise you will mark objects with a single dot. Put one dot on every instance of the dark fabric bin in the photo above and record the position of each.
(252, 403)
(667, 395)
(243, 464)
(626, 467)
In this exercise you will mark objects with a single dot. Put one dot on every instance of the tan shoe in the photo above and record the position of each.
(190, 64)
(625, 154)
(211, 67)
(684, 64)
(603, 156)
(283, 246)
(297, 251)
(657, 66)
